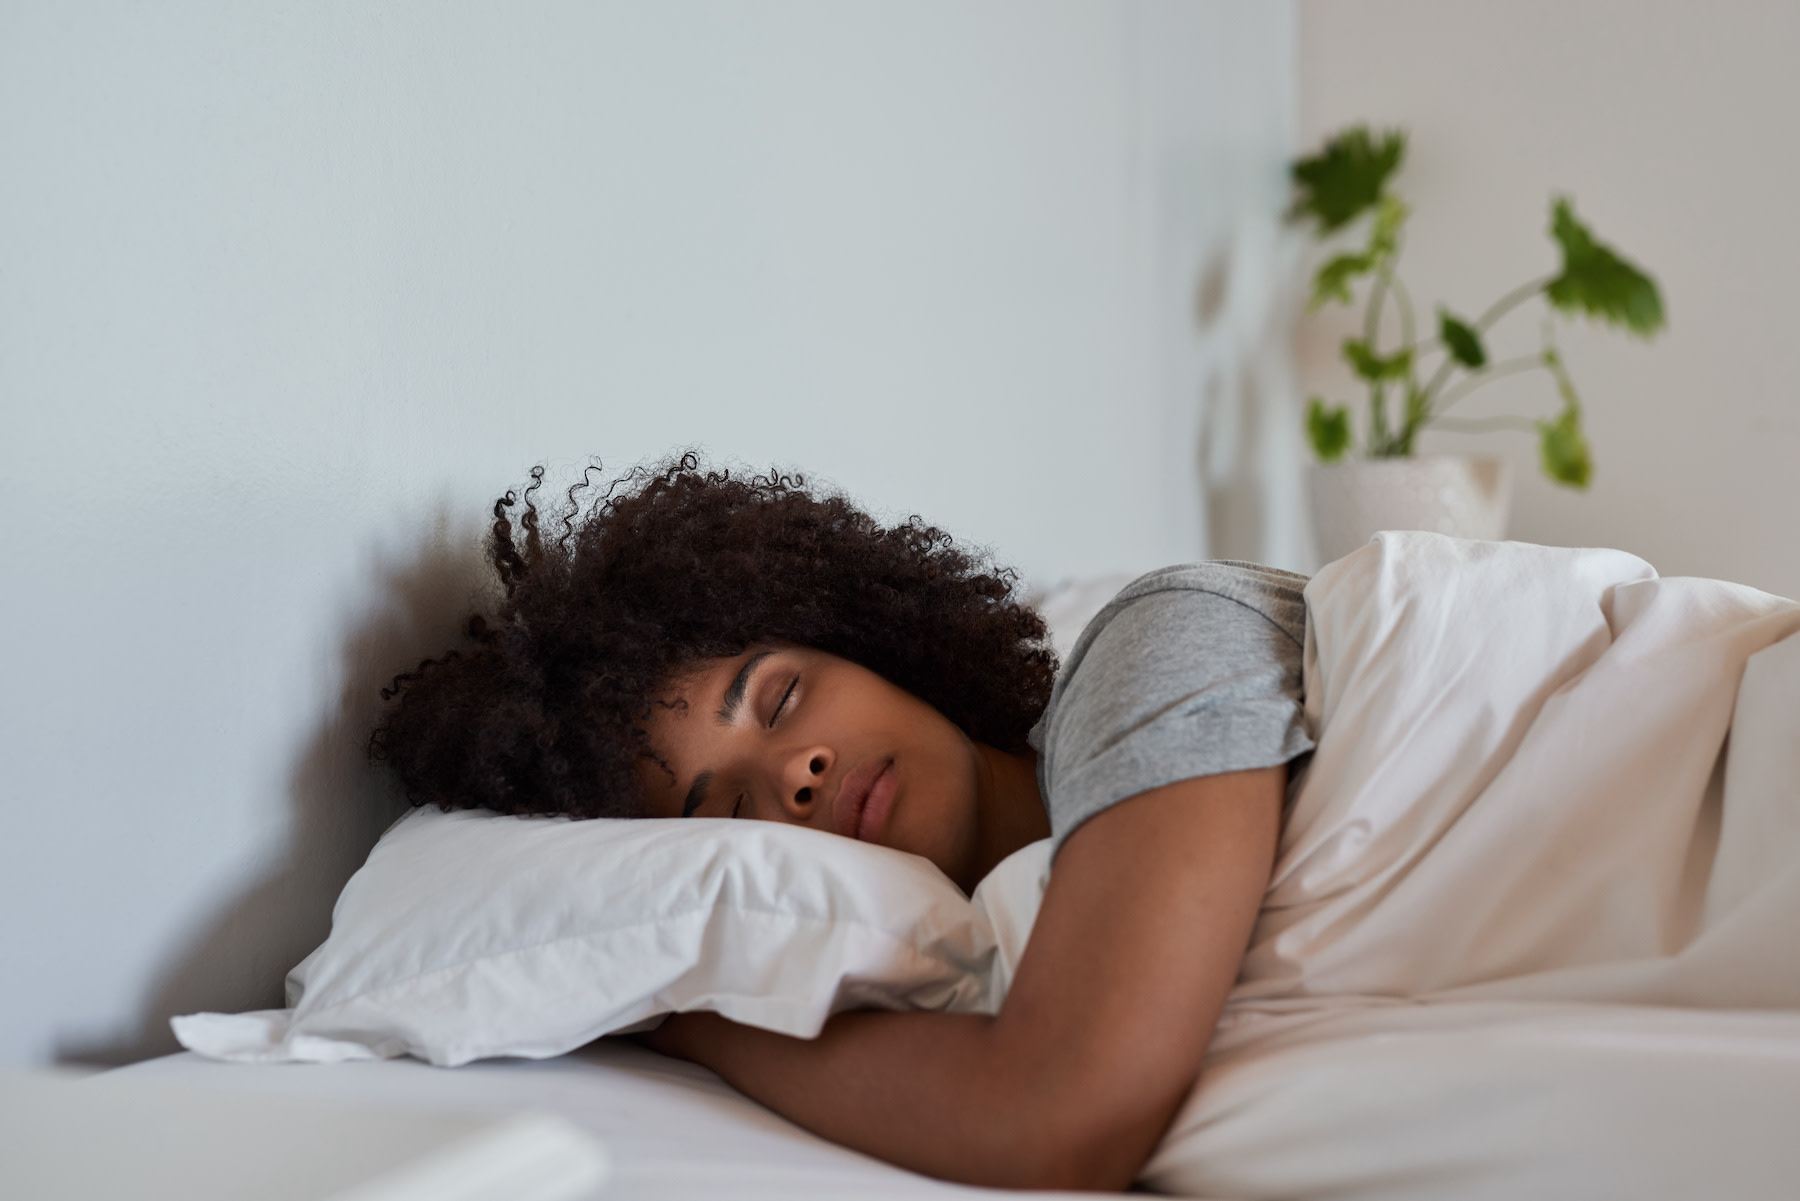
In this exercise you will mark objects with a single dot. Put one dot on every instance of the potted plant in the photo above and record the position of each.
(1344, 188)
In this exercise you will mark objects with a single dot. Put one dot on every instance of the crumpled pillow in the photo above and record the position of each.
(469, 935)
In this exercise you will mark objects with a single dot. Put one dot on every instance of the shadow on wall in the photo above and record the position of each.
(1234, 519)
(340, 802)
(1248, 452)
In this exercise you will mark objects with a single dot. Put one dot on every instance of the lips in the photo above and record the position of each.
(864, 799)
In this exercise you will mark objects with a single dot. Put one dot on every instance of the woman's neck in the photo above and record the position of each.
(1012, 813)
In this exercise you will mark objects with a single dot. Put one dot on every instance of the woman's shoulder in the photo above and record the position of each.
(1184, 594)
(1190, 670)
(1229, 577)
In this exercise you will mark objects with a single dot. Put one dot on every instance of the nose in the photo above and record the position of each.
(802, 782)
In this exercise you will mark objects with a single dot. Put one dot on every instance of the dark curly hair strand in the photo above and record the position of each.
(672, 565)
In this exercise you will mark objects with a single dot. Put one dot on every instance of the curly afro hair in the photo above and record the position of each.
(674, 564)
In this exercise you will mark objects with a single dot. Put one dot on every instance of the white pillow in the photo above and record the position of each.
(469, 935)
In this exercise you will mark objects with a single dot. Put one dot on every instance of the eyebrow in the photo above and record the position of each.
(734, 695)
(734, 701)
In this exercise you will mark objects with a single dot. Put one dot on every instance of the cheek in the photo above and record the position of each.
(941, 814)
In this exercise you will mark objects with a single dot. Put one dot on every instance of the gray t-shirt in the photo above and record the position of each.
(1190, 671)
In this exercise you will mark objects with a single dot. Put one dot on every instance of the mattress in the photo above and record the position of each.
(674, 1131)
(1397, 1102)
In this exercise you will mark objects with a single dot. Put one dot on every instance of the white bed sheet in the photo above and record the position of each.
(674, 1131)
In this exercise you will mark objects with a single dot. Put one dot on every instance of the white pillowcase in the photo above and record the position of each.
(469, 935)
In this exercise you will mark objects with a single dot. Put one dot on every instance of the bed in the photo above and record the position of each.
(673, 1131)
(1328, 1117)
(1531, 930)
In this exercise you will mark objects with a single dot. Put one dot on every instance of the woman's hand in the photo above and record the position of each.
(687, 1035)
(1071, 1086)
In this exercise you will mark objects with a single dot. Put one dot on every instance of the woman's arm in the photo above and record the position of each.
(1072, 1084)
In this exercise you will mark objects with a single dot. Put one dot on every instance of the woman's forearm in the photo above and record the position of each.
(932, 1092)
(1134, 951)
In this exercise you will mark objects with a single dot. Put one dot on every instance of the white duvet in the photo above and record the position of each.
(1534, 928)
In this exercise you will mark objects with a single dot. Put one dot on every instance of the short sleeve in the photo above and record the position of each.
(1190, 671)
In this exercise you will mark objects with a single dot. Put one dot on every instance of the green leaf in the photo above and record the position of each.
(1384, 236)
(1596, 281)
(1373, 367)
(1345, 179)
(1562, 445)
(1329, 430)
(1463, 343)
(1564, 449)
(1333, 280)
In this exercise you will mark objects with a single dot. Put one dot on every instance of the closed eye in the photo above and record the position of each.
(782, 703)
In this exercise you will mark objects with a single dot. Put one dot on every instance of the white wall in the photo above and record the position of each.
(1671, 124)
(289, 292)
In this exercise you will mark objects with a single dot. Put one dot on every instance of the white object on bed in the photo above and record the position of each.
(1497, 1102)
(468, 935)
(1517, 793)
(675, 1131)
(1501, 1103)
(141, 1135)
(1523, 909)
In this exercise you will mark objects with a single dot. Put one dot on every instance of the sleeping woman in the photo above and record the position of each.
(694, 643)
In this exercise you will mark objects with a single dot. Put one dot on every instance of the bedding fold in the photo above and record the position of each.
(1520, 792)
(1531, 926)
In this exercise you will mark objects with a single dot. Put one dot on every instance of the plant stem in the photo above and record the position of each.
(1485, 322)
(1479, 425)
(1486, 376)
(1378, 436)
(1437, 381)
(1372, 315)
(1511, 301)
(1403, 301)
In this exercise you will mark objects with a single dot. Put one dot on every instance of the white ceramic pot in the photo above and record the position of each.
(1451, 494)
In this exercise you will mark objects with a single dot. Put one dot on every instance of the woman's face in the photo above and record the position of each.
(783, 733)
